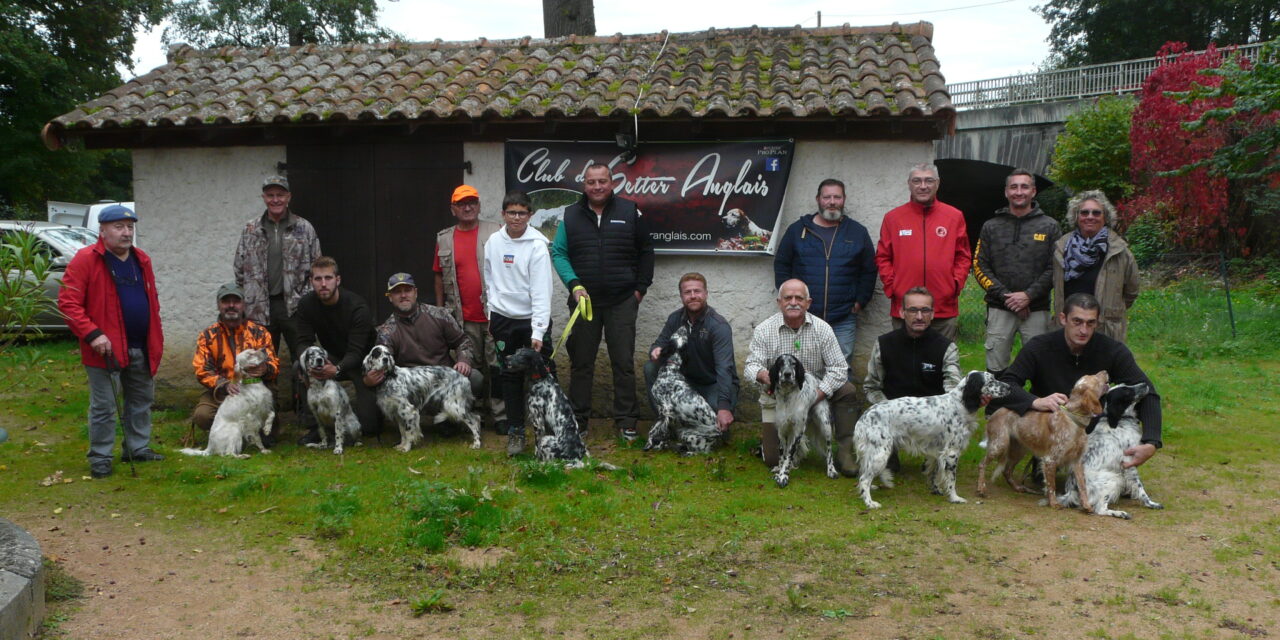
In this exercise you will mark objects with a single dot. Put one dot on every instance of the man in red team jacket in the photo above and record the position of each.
(924, 243)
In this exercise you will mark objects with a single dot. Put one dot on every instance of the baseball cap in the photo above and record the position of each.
(116, 212)
(230, 289)
(276, 181)
(398, 279)
(465, 191)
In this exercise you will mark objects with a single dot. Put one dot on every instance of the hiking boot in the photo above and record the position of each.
(843, 420)
(312, 436)
(100, 468)
(515, 441)
(142, 455)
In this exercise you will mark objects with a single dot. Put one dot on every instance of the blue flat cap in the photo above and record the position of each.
(116, 212)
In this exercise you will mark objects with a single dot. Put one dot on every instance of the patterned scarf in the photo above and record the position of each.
(1082, 253)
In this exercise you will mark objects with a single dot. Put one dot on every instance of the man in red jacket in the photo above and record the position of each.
(924, 243)
(109, 299)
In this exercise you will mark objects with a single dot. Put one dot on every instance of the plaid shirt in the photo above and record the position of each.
(814, 343)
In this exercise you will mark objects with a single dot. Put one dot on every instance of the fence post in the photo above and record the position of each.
(1222, 261)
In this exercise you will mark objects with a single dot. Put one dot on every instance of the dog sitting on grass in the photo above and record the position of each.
(243, 414)
(1104, 471)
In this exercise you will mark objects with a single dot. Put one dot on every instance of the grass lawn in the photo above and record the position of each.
(479, 546)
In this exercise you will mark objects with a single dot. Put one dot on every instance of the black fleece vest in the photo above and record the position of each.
(604, 256)
(912, 366)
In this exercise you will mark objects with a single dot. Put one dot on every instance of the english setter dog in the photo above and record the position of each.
(737, 220)
(680, 409)
(1058, 439)
(555, 431)
(243, 415)
(1105, 475)
(937, 427)
(405, 391)
(796, 414)
(329, 403)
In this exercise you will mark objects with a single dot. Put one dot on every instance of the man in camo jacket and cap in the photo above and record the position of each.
(272, 264)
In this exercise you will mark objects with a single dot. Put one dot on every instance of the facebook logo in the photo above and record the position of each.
(772, 164)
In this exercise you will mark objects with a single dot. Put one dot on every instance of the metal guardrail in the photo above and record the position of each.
(1065, 84)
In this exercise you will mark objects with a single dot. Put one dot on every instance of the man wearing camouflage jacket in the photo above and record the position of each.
(272, 264)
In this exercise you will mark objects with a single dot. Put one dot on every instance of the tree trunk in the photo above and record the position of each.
(568, 17)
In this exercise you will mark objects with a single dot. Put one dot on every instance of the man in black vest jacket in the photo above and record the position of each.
(603, 252)
(914, 360)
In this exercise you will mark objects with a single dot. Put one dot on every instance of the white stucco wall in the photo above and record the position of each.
(192, 205)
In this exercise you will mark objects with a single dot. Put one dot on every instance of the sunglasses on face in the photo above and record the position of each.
(1091, 213)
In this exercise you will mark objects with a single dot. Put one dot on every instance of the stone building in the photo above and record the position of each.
(375, 137)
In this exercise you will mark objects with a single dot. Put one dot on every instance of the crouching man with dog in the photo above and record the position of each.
(708, 362)
(1053, 361)
(793, 331)
(216, 350)
(338, 320)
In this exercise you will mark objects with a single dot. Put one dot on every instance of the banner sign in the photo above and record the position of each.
(697, 197)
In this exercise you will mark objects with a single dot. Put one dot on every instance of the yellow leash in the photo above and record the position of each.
(583, 309)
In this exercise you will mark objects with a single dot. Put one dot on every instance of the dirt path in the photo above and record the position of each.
(144, 584)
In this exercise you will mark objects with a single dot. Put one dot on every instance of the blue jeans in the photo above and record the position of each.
(138, 387)
(845, 331)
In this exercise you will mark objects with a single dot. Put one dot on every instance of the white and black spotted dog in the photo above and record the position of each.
(737, 221)
(555, 431)
(686, 422)
(937, 427)
(329, 403)
(243, 415)
(795, 414)
(1104, 473)
(406, 391)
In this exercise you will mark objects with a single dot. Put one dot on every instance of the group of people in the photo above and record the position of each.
(493, 292)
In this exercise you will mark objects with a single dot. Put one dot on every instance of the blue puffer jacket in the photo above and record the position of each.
(839, 274)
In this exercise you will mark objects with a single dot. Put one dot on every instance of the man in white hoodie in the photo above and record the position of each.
(517, 281)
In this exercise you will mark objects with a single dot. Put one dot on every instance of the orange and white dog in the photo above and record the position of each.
(1057, 439)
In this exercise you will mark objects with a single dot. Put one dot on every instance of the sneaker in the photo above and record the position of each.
(515, 442)
(144, 455)
(629, 433)
(312, 436)
(100, 468)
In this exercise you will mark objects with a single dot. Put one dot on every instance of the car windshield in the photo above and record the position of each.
(69, 238)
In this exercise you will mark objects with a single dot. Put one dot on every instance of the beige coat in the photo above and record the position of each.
(1116, 288)
(449, 270)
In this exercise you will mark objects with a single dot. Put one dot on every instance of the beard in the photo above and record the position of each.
(832, 215)
(230, 316)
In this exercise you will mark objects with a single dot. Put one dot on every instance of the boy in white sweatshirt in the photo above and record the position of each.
(517, 281)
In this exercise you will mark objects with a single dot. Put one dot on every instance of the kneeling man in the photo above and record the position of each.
(215, 358)
(794, 331)
(707, 362)
(1053, 361)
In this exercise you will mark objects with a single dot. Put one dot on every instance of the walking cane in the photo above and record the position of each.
(112, 370)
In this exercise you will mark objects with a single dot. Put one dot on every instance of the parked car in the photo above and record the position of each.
(60, 243)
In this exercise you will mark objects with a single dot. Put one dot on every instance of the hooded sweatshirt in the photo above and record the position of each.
(517, 277)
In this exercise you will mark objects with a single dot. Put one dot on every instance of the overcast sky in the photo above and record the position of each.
(974, 39)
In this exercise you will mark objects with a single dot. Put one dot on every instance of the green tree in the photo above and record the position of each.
(55, 54)
(265, 23)
(1092, 152)
(1096, 31)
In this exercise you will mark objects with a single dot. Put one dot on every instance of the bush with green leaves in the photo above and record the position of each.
(23, 270)
(1093, 150)
(1149, 238)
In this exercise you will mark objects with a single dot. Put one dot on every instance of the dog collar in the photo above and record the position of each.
(1081, 420)
(251, 381)
(535, 376)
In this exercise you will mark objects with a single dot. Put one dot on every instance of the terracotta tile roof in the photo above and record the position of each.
(843, 72)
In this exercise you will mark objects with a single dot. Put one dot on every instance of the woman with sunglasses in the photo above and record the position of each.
(1094, 259)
